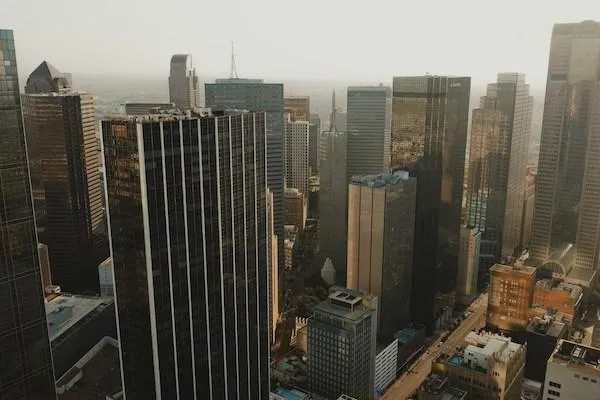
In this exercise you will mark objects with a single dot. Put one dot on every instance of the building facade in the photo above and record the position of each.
(572, 372)
(298, 107)
(333, 199)
(184, 88)
(297, 169)
(381, 220)
(255, 95)
(341, 345)
(314, 141)
(510, 296)
(468, 265)
(146, 108)
(295, 208)
(60, 130)
(500, 134)
(528, 207)
(430, 116)
(189, 239)
(26, 361)
(368, 130)
(567, 204)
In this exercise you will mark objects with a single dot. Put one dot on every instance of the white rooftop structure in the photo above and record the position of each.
(483, 346)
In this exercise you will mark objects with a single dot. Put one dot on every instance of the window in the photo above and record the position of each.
(554, 384)
(553, 393)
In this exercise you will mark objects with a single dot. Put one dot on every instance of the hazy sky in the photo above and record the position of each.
(292, 39)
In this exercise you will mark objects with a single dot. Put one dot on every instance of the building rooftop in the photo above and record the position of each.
(345, 304)
(96, 376)
(239, 80)
(546, 326)
(407, 335)
(483, 346)
(439, 386)
(518, 268)
(574, 291)
(576, 356)
(292, 192)
(380, 180)
(531, 390)
(63, 312)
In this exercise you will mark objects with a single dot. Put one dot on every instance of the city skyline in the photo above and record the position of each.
(508, 50)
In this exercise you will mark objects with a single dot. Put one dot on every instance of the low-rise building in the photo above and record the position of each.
(289, 245)
(490, 367)
(410, 341)
(559, 295)
(386, 366)
(573, 372)
(295, 208)
(437, 387)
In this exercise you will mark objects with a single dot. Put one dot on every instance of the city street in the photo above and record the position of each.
(416, 373)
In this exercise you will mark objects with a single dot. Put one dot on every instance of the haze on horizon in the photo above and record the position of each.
(310, 39)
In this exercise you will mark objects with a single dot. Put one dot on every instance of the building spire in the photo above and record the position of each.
(233, 74)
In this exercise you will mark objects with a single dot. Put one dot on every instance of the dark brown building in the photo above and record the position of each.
(66, 183)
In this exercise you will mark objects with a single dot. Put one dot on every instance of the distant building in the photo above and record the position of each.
(567, 203)
(381, 218)
(368, 128)
(528, 207)
(341, 345)
(314, 143)
(573, 372)
(386, 364)
(190, 247)
(500, 132)
(289, 244)
(47, 79)
(184, 90)
(274, 268)
(65, 170)
(490, 367)
(146, 108)
(297, 169)
(107, 278)
(437, 387)
(333, 199)
(298, 107)
(295, 208)
(75, 325)
(510, 296)
(468, 265)
(45, 265)
(541, 336)
(97, 375)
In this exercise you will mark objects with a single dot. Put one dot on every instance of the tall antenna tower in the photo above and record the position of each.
(233, 74)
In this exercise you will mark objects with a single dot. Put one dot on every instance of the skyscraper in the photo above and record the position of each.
(314, 140)
(189, 230)
(567, 205)
(341, 345)
(333, 199)
(298, 107)
(26, 363)
(255, 95)
(184, 90)
(429, 132)
(381, 223)
(297, 170)
(500, 133)
(61, 137)
(468, 264)
(368, 129)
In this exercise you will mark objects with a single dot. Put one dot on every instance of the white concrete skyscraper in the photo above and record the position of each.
(567, 208)
(184, 89)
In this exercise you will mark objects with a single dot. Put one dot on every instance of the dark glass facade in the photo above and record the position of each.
(65, 170)
(25, 359)
(257, 96)
(430, 116)
(188, 222)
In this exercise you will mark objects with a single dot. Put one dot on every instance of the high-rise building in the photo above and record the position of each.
(510, 296)
(189, 239)
(61, 134)
(572, 372)
(273, 270)
(26, 363)
(47, 79)
(314, 141)
(297, 170)
(567, 204)
(430, 116)
(341, 345)
(295, 208)
(381, 221)
(528, 207)
(368, 129)
(298, 107)
(333, 199)
(255, 95)
(498, 154)
(184, 89)
(468, 264)
(490, 367)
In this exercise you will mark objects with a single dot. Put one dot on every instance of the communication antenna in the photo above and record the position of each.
(233, 74)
